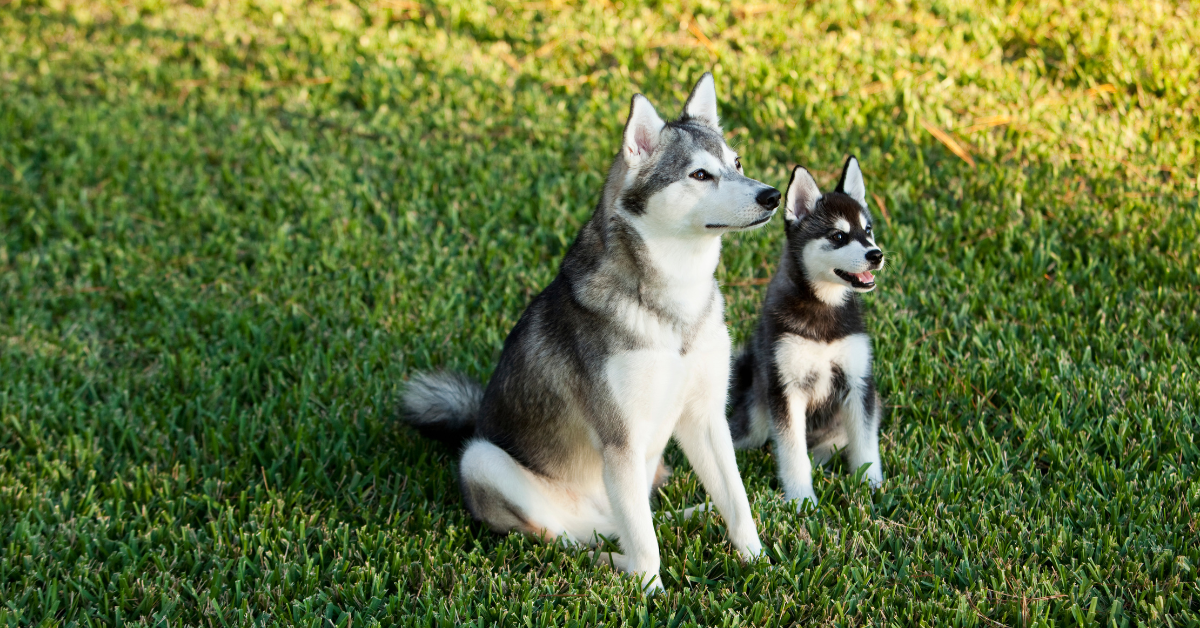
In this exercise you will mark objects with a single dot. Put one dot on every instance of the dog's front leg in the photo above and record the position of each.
(861, 416)
(625, 481)
(791, 447)
(703, 434)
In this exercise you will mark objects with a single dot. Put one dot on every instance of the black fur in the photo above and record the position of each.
(740, 382)
(792, 308)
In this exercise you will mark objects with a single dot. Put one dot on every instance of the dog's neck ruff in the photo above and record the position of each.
(650, 286)
(683, 267)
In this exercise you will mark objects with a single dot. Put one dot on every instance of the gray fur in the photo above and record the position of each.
(683, 139)
(549, 421)
(442, 404)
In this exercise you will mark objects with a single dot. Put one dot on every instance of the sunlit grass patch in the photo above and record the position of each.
(230, 231)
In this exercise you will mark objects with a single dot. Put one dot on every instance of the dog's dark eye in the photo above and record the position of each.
(868, 229)
(738, 162)
(838, 237)
(701, 175)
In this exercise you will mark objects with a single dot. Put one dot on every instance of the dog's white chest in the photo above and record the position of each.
(809, 365)
(651, 386)
(647, 385)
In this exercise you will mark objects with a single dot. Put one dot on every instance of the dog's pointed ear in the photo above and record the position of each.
(642, 131)
(701, 105)
(851, 183)
(802, 195)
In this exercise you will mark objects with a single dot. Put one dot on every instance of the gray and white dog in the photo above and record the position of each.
(805, 379)
(626, 348)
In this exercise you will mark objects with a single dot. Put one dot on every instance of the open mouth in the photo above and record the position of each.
(767, 216)
(858, 280)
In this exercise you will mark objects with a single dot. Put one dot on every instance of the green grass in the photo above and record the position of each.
(230, 231)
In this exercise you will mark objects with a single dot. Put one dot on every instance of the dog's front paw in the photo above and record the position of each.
(805, 499)
(744, 538)
(873, 475)
(752, 551)
(875, 479)
(650, 583)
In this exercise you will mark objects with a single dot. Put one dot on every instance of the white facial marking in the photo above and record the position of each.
(720, 200)
(709, 162)
(820, 259)
(842, 225)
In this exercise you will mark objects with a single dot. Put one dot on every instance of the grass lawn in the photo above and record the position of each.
(229, 231)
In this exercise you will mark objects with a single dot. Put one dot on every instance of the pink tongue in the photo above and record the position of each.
(865, 277)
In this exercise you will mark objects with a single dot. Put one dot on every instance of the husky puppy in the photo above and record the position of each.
(626, 348)
(804, 379)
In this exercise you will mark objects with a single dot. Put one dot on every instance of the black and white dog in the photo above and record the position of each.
(804, 379)
(626, 348)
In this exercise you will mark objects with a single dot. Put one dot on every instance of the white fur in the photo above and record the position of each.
(702, 103)
(662, 392)
(689, 208)
(802, 195)
(798, 359)
(853, 185)
(665, 388)
(574, 511)
(641, 132)
(703, 434)
(821, 257)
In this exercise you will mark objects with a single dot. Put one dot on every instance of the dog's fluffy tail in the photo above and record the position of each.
(443, 405)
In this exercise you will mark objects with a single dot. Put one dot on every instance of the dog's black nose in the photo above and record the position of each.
(874, 256)
(768, 198)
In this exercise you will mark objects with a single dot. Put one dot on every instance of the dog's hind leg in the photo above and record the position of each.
(506, 496)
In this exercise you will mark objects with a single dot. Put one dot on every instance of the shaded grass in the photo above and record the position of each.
(230, 231)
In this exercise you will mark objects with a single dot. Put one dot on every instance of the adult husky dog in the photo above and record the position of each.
(804, 379)
(626, 348)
